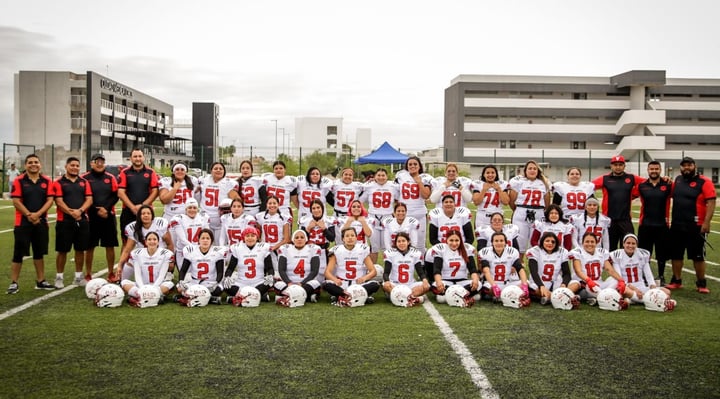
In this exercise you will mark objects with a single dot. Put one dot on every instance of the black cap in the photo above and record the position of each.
(98, 156)
(687, 160)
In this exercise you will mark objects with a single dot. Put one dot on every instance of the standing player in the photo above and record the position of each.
(451, 184)
(692, 211)
(213, 189)
(249, 188)
(572, 194)
(310, 187)
(443, 220)
(72, 197)
(138, 186)
(101, 215)
(176, 190)
(344, 191)
(529, 195)
(380, 195)
(282, 187)
(32, 196)
(617, 187)
(415, 187)
(489, 195)
(653, 228)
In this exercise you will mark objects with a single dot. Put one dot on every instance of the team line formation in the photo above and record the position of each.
(231, 241)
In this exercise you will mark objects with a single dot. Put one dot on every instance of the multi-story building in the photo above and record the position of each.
(317, 133)
(564, 121)
(81, 114)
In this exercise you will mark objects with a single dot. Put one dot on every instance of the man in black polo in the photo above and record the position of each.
(73, 197)
(653, 228)
(103, 224)
(138, 186)
(617, 187)
(32, 196)
(692, 211)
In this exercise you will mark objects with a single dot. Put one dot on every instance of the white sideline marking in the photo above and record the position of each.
(45, 297)
(476, 374)
(685, 269)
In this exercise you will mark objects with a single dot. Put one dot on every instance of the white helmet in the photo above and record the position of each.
(247, 297)
(513, 296)
(148, 296)
(294, 296)
(196, 295)
(109, 296)
(564, 299)
(93, 286)
(610, 299)
(457, 295)
(399, 296)
(358, 296)
(657, 300)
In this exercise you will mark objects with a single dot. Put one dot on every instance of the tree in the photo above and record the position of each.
(325, 162)
(226, 152)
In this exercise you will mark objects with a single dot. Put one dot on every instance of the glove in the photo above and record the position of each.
(621, 287)
(525, 289)
(269, 280)
(182, 285)
(592, 285)
(227, 282)
(169, 276)
(496, 290)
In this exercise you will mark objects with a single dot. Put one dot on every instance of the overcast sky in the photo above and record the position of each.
(382, 65)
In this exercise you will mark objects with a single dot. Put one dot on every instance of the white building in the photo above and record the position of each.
(319, 133)
(363, 141)
(564, 121)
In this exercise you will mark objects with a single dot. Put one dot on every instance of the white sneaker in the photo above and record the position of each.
(59, 282)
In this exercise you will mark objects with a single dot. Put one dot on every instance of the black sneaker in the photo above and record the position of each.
(13, 288)
(43, 285)
(215, 300)
(333, 300)
(662, 281)
(370, 300)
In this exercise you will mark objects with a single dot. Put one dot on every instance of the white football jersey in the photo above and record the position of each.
(531, 193)
(316, 235)
(344, 194)
(560, 229)
(403, 265)
(177, 205)
(454, 266)
(298, 260)
(250, 191)
(380, 198)
(283, 189)
(307, 192)
(158, 225)
(186, 230)
(445, 224)
(438, 183)
(213, 192)
(272, 226)
(501, 266)
(250, 263)
(231, 228)
(599, 225)
(350, 263)
(410, 226)
(634, 269)
(410, 191)
(150, 269)
(485, 233)
(592, 264)
(202, 265)
(573, 197)
(490, 202)
(549, 264)
(355, 224)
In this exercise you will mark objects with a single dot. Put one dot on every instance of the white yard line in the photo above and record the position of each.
(45, 297)
(476, 374)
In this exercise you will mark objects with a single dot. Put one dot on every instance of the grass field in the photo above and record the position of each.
(65, 347)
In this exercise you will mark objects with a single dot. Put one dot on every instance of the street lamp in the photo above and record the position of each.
(283, 140)
(276, 129)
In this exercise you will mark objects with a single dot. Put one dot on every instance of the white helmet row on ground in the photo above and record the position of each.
(513, 296)
(457, 295)
(610, 299)
(563, 298)
(197, 296)
(148, 296)
(109, 296)
(657, 300)
(247, 297)
(293, 296)
(92, 287)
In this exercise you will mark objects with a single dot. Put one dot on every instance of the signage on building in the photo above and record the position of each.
(117, 88)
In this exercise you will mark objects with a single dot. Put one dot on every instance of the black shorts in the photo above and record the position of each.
(103, 232)
(27, 236)
(657, 237)
(69, 234)
(126, 217)
(687, 237)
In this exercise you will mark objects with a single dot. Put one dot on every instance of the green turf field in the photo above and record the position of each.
(65, 347)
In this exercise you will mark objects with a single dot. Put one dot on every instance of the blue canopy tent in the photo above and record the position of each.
(385, 154)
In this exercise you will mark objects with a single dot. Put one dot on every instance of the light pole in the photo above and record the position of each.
(276, 129)
(283, 140)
